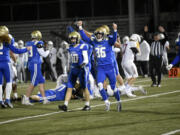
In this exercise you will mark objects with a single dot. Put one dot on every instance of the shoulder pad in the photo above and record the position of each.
(83, 46)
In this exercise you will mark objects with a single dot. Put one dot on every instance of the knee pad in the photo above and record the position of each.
(100, 86)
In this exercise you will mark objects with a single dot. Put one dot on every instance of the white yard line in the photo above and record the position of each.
(47, 114)
(172, 132)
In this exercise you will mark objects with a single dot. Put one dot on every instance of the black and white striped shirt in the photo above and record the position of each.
(157, 48)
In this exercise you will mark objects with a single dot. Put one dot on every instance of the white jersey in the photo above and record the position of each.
(128, 55)
(145, 52)
(53, 56)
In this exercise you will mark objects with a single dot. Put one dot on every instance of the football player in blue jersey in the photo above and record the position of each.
(6, 44)
(34, 66)
(105, 64)
(78, 69)
(177, 58)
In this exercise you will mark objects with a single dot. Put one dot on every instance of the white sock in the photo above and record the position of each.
(8, 90)
(106, 101)
(66, 103)
(16, 95)
(1, 93)
(44, 98)
(87, 103)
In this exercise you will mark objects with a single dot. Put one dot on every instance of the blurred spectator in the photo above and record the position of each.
(143, 57)
(146, 34)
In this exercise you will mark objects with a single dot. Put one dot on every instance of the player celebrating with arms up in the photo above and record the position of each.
(78, 69)
(6, 44)
(105, 64)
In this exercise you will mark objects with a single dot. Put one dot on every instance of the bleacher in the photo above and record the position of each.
(22, 30)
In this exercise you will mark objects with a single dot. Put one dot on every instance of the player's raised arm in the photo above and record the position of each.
(82, 33)
(113, 40)
(41, 50)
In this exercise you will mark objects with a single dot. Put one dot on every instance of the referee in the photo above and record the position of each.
(156, 61)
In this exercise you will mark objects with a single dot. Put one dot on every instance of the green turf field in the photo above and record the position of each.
(156, 113)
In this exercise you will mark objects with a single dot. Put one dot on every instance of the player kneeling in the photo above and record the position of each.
(78, 69)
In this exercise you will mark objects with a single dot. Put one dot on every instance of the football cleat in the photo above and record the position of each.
(3, 105)
(86, 108)
(119, 107)
(159, 85)
(130, 95)
(108, 104)
(142, 90)
(25, 101)
(63, 107)
(153, 85)
(8, 104)
(46, 102)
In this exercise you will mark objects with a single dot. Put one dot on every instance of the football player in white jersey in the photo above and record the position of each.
(21, 63)
(129, 50)
(53, 58)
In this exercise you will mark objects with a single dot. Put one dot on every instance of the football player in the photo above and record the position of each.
(130, 70)
(105, 66)
(6, 44)
(177, 58)
(34, 66)
(79, 60)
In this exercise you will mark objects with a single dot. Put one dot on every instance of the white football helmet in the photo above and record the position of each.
(20, 44)
(50, 45)
(125, 39)
(135, 37)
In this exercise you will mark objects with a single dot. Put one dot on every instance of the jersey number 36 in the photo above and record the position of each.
(101, 52)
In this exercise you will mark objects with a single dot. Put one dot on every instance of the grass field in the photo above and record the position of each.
(156, 113)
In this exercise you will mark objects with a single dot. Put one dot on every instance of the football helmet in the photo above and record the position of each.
(21, 44)
(99, 34)
(106, 28)
(4, 30)
(125, 39)
(74, 37)
(36, 35)
(135, 37)
(50, 44)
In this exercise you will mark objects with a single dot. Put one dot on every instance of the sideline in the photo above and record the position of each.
(172, 132)
(48, 114)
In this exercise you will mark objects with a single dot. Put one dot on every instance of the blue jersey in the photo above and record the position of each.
(102, 49)
(34, 56)
(76, 54)
(177, 58)
(55, 95)
(4, 50)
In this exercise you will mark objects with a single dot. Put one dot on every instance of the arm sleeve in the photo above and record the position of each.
(113, 40)
(42, 52)
(16, 50)
(84, 37)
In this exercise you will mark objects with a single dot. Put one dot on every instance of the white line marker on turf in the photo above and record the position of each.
(172, 132)
(47, 114)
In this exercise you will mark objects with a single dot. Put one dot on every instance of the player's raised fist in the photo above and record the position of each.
(114, 26)
(79, 23)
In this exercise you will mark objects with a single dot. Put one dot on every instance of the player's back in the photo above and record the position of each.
(33, 55)
(128, 55)
(4, 51)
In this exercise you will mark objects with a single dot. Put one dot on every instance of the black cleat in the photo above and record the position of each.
(3, 105)
(86, 108)
(63, 107)
(8, 104)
